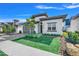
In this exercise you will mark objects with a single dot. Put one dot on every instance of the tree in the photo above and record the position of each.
(4, 28)
(30, 24)
(8, 28)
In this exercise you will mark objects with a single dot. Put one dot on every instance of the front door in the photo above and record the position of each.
(40, 27)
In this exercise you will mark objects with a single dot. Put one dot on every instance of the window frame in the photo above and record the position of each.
(52, 25)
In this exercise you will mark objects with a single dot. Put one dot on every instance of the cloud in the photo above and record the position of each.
(48, 7)
(2, 20)
(43, 7)
(22, 20)
(5, 20)
(67, 6)
(71, 6)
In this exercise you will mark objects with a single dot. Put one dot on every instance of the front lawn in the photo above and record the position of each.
(2, 53)
(41, 42)
(39, 38)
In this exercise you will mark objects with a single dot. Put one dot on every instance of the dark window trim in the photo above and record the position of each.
(51, 27)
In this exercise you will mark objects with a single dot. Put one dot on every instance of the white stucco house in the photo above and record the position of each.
(1, 29)
(19, 28)
(74, 25)
(49, 25)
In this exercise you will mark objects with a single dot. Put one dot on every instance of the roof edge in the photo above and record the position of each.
(54, 17)
(41, 14)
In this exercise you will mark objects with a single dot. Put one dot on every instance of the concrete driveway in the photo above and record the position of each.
(4, 37)
(15, 49)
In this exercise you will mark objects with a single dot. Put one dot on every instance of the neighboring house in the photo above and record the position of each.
(1, 29)
(74, 25)
(1, 24)
(19, 28)
(67, 25)
(67, 28)
(49, 25)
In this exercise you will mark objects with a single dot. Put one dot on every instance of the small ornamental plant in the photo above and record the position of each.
(73, 37)
(65, 34)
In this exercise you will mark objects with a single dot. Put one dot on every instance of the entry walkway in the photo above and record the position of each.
(15, 49)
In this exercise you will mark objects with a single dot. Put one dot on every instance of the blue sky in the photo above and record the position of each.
(21, 11)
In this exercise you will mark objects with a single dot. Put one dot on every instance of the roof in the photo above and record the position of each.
(74, 17)
(37, 15)
(1, 23)
(54, 17)
(15, 20)
(20, 23)
(9, 22)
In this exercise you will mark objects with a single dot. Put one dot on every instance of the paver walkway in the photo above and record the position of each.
(15, 49)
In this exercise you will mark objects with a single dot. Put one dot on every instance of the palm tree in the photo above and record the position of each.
(4, 28)
(8, 28)
(30, 24)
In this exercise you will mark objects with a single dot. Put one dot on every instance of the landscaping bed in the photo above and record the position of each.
(54, 35)
(72, 37)
(41, 42)
(38, 38)
(2, 53)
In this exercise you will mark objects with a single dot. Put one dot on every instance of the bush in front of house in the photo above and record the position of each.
(65, 34)
(33, 35)
(73, 37)
(52, 34)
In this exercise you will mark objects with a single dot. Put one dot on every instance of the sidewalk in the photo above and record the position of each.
(15, 49)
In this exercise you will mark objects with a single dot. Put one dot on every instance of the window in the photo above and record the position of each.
(52, 27)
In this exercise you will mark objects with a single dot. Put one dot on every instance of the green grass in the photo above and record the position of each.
(2, 53)
(53, 47)
(38, 38)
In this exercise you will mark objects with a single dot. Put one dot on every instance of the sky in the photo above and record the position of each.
(22, 11)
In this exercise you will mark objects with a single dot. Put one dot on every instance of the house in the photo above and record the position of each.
(74, 24)
(1, 24)
(66, 25)
(20, 27)
(37, 18)
(44, 24)
(49, 25)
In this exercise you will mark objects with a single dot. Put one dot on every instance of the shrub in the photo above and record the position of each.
(65, 34)
(52, 34)
(73, 37)
(77, 32)
(34, 35)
